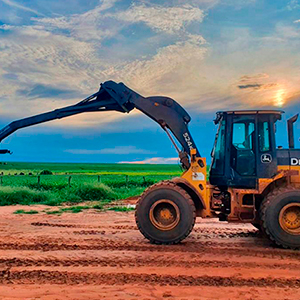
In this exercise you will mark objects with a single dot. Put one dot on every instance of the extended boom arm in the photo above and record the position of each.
(117, 96)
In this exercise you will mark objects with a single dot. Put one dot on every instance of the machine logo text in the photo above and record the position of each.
(188, 140)
(295, 161)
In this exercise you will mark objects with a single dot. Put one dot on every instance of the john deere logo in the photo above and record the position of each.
(295, 161)
(266, 158)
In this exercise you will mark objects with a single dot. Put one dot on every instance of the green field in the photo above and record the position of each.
(89, 169)
(22, 183)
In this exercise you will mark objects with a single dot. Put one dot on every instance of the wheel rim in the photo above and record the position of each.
(164, 214)
(289, 218)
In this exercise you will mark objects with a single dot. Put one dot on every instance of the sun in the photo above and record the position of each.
(279, 98)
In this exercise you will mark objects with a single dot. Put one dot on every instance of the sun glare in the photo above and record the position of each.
(279, 98)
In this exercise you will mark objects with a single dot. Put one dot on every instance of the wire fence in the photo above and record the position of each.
(76, 179)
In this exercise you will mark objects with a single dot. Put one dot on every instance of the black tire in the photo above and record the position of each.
(175, 195)
(270, 213)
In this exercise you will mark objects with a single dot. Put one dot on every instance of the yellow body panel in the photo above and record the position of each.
(196, 176)
(295, 178)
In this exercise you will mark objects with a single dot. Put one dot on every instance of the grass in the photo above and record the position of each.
(27, 212)
(75, 209)
(76, 183)
(72, 209)
(21, 195)
(53, 212)
(121, 208)
(76, 194)
(55, 193)
(89, 169)
(79, 208)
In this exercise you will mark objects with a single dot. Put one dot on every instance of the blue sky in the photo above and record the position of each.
(209, 55)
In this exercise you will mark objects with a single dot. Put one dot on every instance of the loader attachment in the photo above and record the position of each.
(114, 96)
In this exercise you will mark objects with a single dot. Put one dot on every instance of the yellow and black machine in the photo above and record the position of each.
(250, 179)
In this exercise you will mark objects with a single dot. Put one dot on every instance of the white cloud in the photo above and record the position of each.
(35, 56)
(201, 3)
(107, 4)
(63, 53)
(172, 71)
(93, 25)
(293, 4)
(19, 6)
(118, 150)
(167, 19)
(287, 32)
(153, 160)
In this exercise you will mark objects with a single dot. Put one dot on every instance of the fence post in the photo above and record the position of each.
(99, 178)
(126, 179)
(69, 181)
(144, 179)
(39, 180)
(1, 180)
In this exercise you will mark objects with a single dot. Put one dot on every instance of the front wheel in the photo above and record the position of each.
(280, 216)
(165, 213)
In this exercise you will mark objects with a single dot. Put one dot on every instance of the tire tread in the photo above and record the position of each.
(173, 186)
(265, 206)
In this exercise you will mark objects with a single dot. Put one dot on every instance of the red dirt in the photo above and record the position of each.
(102, 255)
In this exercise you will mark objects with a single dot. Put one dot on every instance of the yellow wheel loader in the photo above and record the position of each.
(250, 179)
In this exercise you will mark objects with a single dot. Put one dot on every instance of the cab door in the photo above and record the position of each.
(266, 148)
(242, 148)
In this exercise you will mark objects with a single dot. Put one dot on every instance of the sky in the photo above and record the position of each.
(208, 55)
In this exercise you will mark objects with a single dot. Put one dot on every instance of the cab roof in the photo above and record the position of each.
(247, 112)
(278, 113)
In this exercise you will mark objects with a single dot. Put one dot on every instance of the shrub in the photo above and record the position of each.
(98, 206)
(21, 195)
(46, 172)
(94, 192)
(47, 186)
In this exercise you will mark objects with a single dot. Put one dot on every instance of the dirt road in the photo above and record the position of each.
(102, 255)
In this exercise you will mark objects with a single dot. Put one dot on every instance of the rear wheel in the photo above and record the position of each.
(280, 215)
(165, 213)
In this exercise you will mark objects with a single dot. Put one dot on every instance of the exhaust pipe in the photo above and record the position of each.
(290, 124)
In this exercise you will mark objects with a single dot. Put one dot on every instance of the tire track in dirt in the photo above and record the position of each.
(137, 262)
(230, 230)
(110, 245)
(89, 232)
(62, 225)
(204, 232)
(194, 242)
(226, 233)
(72, 278)
(42, 252)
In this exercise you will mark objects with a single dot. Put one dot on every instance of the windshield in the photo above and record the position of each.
(217, 153)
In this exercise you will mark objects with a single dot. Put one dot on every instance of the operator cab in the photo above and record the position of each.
(244, 149)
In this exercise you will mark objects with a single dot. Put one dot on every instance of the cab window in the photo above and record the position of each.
(264, 136)
(242, 157)
(218, 153)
